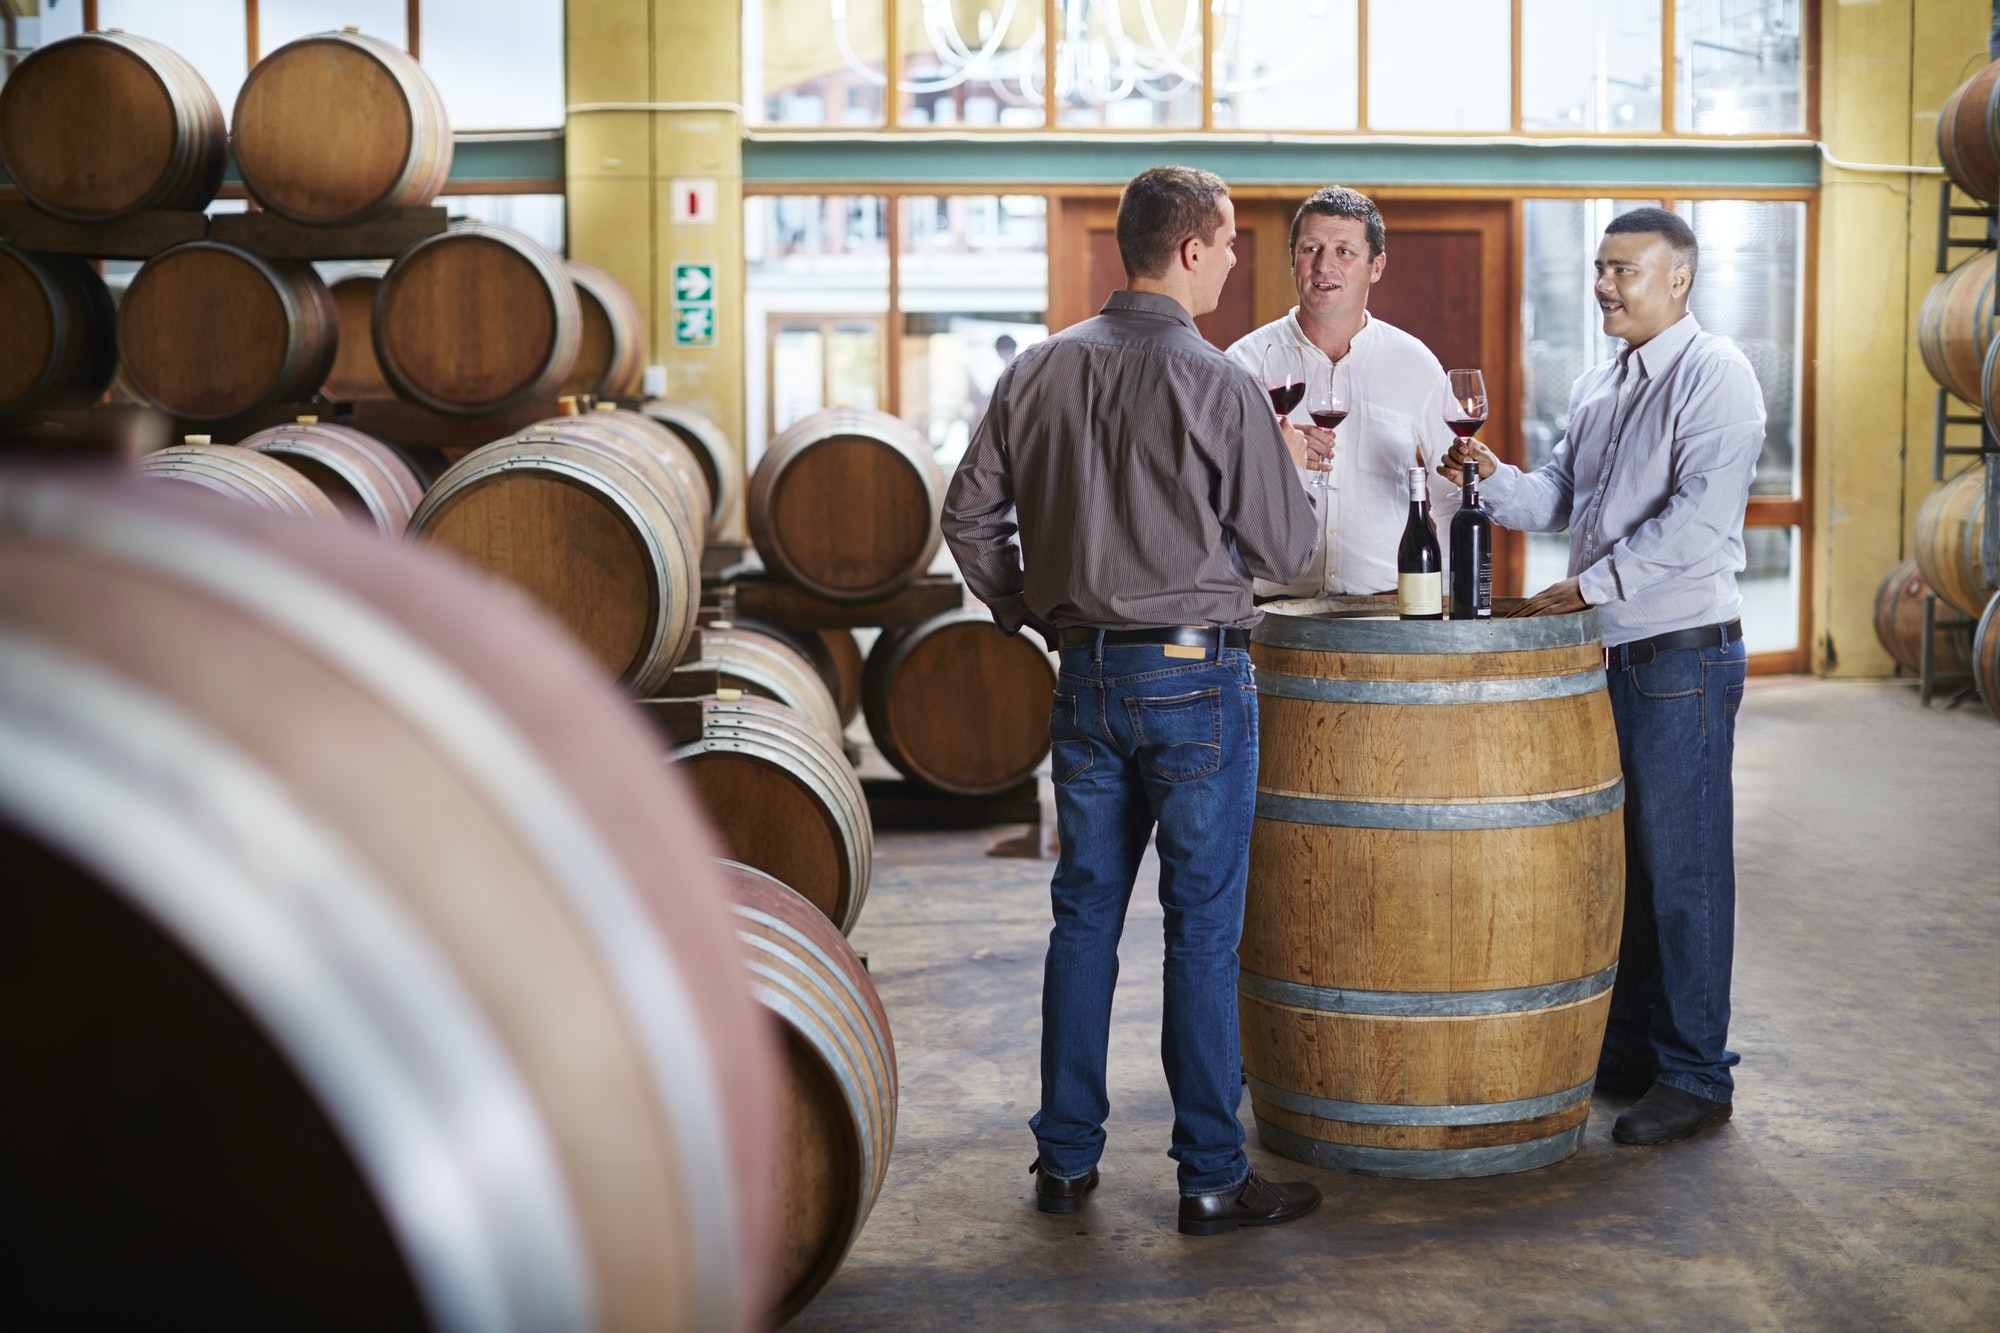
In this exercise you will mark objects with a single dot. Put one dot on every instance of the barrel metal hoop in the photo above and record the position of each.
(1421, 1163)
(1355, 634)
(833, 981)
(1444, 815)
(786, 1007)
(1319, 689)
(1386, 1113)
(1424, 1004)
(805, 943)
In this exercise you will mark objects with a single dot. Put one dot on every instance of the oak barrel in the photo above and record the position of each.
(480, 319)
(59, 340)
(812, 648)
(1955, 327)
(1968, 134)
(382, 977)
(849, 667)
(957, 705)
(719, 460)
(1986, 656)
(611, 348)
(365, 479)
(673, 452)
(105, 124)
(591, 526)
(267, 482)
(1436, 886)
(784, 801)
(1899, 624)
(208, 331)
(837, 1091)
(356, 375)
(337, 127)
(1946, 540)
(766, 663)
(846, 503)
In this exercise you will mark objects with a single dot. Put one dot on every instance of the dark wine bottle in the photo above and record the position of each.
(1419, 563)
(1471, 554)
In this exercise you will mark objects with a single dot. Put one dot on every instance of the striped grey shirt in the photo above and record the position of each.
(1136, 471)
(1651, 480)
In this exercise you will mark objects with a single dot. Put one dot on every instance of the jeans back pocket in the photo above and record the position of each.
(1180, 737)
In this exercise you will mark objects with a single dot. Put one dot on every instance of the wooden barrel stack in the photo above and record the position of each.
(1899, 625)
(1969, 134)
(1946, 540)
(958, 705)
(278, 1046)
(720, 463)
(837, 1088)
(58, 345)
(1432, 923)
(762, 662)
(356, 374)
(611, 344)
(1955, 327)
(260, 480)
(367, 481)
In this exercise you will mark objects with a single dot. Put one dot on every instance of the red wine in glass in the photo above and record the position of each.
(1465, 410)
(1464, 425)
(1284, 376)
(1285, 397)
(1327, 419)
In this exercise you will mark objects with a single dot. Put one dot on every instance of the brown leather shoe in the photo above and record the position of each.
(1667, 1115)
(1258, 1203)
(1053, 1194)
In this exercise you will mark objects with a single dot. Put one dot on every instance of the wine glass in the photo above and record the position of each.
(1284, 376)
(1329, 407)
(1465, 410)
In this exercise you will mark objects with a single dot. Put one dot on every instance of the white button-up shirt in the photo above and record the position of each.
(1651, 480)
(1396, 392)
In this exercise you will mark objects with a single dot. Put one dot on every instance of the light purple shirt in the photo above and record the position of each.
(1651, 480)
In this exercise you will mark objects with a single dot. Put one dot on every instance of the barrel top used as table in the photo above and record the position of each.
(1360, 625)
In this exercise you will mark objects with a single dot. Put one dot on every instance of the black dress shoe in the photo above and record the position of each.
(1053, 1194)
(1618, 1083)
(1259, 1203)
(1667, 1115)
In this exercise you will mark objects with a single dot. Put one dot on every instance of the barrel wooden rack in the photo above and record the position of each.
(143, 235)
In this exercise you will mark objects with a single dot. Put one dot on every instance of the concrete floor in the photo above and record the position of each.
(1857, 1187)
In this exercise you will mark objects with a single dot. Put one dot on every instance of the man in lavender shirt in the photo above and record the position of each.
(1651, 481)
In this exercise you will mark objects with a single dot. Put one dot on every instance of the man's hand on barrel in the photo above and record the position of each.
(1555, 600)
(1311, 446)
(1453, 466)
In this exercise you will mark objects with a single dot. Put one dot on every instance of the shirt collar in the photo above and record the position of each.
(1298, 333)
(1126, 301)
(1658, 352)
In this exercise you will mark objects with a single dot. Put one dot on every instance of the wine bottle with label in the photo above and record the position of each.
(1419, 563)
(1471, 554)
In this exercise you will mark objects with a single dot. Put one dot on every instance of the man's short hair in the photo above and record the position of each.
(1162, 208)
(1658, 221)
(1337, 201)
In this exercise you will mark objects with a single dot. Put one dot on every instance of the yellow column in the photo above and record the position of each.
(657, 57)
(1886, 70)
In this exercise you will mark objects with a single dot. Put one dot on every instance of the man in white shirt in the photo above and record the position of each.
(1395, 391)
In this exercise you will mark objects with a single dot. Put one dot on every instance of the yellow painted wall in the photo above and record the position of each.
(1887, 67)
(622, 166)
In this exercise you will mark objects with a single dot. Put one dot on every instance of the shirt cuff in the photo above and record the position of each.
(1599, 583)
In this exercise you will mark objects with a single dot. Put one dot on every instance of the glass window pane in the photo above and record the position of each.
(974, 290)
(281, 21)
(1287, 64)
(1129, 64)
(1750, 288)
(211, 35)
(815, 265)
(497, 63)
(54, 21)
(1440, 65)
(538, 216)
(1590, 66)
(1737, 67)
(1770, 587)
(974, 63)
(811, 63)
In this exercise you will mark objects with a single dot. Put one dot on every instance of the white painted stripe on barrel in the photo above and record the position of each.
(1425, 1004)
(1320, 689)
(1421, 1163)
(1393, 1113)
(1441, 815)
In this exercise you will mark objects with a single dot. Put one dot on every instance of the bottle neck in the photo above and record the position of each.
(1419, 492)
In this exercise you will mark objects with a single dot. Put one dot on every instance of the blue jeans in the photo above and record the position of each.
(1142, 739)
(1676, 719)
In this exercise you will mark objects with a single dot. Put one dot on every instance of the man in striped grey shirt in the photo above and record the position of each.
(1652, 480)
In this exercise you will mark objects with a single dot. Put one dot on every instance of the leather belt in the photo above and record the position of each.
(1641, 651)
(1211, 638)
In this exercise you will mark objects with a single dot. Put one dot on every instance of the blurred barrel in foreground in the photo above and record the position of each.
(958, 705)
(845, 502)
(356, 375)
(719, 461)
(1968, 134)
(104, 124)
(837, 1094)
(336, 127)
(784, 800)
(367, 480)
(611, 345)
(1899, 624)
(209, 331)
(1955, 327)
(267, 482)
(1986, 656)
(59, 337)
(381, 976)
(593, 526)
(1946, 540)
(479, 319)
